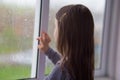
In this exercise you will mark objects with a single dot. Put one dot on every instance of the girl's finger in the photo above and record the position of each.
(38, 38)
(44, 37)
(42, 40)
(47, 37)
(40, 46)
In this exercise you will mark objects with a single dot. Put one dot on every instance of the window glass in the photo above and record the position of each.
(98, 14)
(16, 38)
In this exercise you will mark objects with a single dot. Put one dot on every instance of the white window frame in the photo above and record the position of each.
(44, 28)
(102, 71)
(111, 50)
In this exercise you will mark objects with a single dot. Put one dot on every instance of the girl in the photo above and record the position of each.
(74, 35)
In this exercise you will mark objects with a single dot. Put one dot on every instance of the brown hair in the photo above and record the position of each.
(76, 41)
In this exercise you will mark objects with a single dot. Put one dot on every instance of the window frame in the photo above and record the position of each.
(111, 33)
(41, 24)
(104, 51)
(44, 28)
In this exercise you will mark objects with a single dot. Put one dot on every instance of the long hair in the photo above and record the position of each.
(76, 41)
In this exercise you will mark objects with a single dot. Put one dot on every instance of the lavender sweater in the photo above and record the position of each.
(57, 73)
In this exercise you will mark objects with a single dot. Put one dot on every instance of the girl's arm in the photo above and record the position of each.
(53, 55)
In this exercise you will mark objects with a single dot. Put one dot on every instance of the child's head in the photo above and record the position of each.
(59, 14)
(75, 40)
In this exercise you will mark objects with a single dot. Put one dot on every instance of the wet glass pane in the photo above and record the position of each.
(98, 14)
(16, 38)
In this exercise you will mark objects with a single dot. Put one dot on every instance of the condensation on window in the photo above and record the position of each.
(16, 38)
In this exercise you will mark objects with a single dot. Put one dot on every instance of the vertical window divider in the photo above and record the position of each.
(43, 28)
(35, 42)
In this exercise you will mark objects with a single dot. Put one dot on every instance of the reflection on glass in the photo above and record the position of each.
(98, 14)
(16, 38)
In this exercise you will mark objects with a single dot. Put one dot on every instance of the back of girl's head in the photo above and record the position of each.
(76, 41)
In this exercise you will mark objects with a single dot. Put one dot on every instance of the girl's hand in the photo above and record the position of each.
(44, 42)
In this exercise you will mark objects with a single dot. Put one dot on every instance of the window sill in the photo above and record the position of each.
(103, 78)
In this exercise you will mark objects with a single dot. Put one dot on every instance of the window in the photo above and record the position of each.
(17, 19)
(98, 14)
(20, 21)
